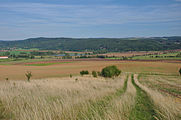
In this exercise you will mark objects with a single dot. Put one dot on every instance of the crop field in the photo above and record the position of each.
(171, 56)
(49, 69)
(129, 54)
(145, 90)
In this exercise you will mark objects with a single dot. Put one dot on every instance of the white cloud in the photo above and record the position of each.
(58, 14)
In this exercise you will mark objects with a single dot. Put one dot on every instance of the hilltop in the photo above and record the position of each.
(96, 44)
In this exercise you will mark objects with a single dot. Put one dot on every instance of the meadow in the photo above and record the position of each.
(161, 56)
(145, 90)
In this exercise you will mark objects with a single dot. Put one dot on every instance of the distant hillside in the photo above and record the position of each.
(97, 44)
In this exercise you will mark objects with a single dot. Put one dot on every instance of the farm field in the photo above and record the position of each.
(124, 98)
(166, 56)
(145, 90)
(49, 69)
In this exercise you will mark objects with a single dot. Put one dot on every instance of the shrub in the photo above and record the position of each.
(180, 71)
(70, 75)
(28, 75)
(99, 73)
(110, 71)
(94, 74)
(84, 72)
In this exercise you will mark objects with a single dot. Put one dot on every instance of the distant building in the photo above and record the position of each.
(3, 57)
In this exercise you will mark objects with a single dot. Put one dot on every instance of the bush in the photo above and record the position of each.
(94, 74)
(28, 75)
(110, 71)
(99, 73)
(84, 72)
(180, 71)
(70, 75)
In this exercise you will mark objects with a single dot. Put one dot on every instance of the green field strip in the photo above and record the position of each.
(100, 106)
(47, 64)
(144, 107)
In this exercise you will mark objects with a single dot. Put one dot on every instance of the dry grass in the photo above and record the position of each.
(166, 106)
(52, 99)
(70, 99)
(122, 106)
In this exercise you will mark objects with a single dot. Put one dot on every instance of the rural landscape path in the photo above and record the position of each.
(144, 107)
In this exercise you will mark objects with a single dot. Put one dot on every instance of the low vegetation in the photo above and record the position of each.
(84, 72)
(144, 108)
(94, 73)
(28, 75)
(110, 71)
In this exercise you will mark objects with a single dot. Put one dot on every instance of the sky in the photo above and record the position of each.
(22, 19)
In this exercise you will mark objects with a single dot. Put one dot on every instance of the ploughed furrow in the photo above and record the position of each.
(167, 107)
(122, 106)
(144, 107)
(97, 109)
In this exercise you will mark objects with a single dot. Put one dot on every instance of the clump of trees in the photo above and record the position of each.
(84, 72)
(110, 71)
(107, 72)
(28, 75)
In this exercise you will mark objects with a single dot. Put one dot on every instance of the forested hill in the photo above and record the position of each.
(95, 44)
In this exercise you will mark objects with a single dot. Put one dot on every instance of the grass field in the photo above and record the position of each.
(146, 90)
(165, 56)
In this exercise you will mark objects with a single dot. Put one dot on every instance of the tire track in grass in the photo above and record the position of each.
(97, 109)
(122, 106)
(166, 106)
(144, 107)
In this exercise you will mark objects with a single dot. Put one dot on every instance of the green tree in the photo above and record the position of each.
(110, 71)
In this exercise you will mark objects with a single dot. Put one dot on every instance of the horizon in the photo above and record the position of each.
(90, 37)
(21, 20)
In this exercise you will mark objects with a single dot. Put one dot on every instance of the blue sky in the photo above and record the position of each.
(21, 19)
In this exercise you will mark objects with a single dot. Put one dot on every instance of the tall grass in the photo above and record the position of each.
(122, 105)
(167, 106)
(52, 99)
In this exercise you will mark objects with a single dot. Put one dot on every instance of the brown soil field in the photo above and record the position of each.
(17, 72)
(129, 54)
(94, 59)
